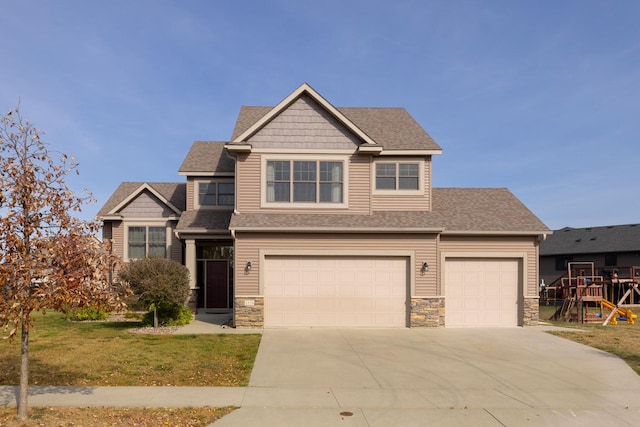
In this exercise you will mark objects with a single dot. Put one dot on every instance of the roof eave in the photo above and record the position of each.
(496, 233)
(424, 230)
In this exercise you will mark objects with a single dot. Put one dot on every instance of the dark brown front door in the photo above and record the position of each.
(217, 292)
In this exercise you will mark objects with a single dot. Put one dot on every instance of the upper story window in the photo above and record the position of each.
(144, 241)
(304, 181)
(398, 176)
(211, 193)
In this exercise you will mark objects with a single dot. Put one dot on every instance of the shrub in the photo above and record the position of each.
(85, 313)
(159, 282)
(169, 315)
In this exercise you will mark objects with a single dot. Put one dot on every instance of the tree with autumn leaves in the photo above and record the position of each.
(48, 258)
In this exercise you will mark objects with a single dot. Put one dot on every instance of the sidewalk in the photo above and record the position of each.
(126, 396)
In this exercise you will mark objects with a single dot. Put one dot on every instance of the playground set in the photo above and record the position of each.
(607, 297)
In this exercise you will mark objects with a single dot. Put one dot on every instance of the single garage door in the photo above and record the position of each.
(481, 292)
(335, 291)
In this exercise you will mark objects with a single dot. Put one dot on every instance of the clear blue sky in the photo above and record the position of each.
(542, 97)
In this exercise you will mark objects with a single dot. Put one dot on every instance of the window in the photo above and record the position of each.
(562, 263)
(397, 176)
(216, 193)
(147, 241)
(303, 181)
(610, 260)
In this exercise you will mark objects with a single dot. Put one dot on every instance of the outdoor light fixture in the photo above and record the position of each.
(247, 267)
(425, 267)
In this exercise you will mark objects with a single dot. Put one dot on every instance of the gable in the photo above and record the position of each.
(146, 205)
(304, 124)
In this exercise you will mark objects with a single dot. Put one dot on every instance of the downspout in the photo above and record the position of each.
(234, 157)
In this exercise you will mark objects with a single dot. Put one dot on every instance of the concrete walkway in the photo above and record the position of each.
(408, 377)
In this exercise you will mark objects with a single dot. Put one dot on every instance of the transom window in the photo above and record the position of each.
(397, 176)
(215, 193)
(303, 181)
(146, 241)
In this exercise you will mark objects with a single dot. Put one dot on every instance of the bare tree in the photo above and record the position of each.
(48, 258)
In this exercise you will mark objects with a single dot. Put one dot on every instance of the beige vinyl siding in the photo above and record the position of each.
(248, 247)
(175, 249)
(107, 231)
(118, 238)
(250, 185)
(146, 205)
(400, 202)
(486, 246)
(304, 124)
(190, 193)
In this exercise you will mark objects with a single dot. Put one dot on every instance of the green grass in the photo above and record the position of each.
(622, 339)
(108, 354)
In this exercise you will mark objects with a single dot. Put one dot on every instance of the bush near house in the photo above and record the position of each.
(160, 284)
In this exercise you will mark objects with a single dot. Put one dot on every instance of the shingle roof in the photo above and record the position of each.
(207, 157)
(204, 221)
(174, 192)
(392, 128)
(613, 238)
(465, 210)
(396, 221)
(484, 209)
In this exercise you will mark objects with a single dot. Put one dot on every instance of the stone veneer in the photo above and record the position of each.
(249, 312)
(531, 311)
(427, 312)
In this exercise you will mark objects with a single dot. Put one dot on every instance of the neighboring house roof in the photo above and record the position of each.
(455, 210)
(496, 210)
(204, 221)
(605, 239)
(207, 158)
(390, 128)
(173, 193)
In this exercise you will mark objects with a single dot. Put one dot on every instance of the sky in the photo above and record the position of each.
(539, 96)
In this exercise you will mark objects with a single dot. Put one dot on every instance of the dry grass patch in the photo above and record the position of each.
(106, 417)
(107, 354)
(622, 340)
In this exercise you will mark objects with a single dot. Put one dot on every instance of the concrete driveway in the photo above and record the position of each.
(421, 377)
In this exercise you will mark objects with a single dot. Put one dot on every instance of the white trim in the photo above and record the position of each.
(238, 148)
(301, 205)
(398, 192)
(411, 152)
(139, 191)
(338, 230)
(209, 174)
(304, 151)
(285, 103)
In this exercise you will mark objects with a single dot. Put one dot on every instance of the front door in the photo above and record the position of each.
(217, 289)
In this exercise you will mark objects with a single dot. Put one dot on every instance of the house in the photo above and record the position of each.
(612, 248)
(314, 215)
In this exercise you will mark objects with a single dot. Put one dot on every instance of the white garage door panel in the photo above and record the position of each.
(326, 291)
(481, 292)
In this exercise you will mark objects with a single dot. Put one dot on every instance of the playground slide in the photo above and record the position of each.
(626, 314)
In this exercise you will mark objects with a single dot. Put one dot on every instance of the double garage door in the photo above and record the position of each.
(335, 291)
(481, 292)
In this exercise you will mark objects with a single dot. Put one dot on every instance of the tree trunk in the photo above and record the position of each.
(155, 316)
(24, 374)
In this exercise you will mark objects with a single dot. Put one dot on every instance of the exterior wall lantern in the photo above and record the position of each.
(425, 267)
(247, 268)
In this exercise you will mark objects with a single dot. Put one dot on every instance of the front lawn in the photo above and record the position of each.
(108, 354)
(622, 339)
